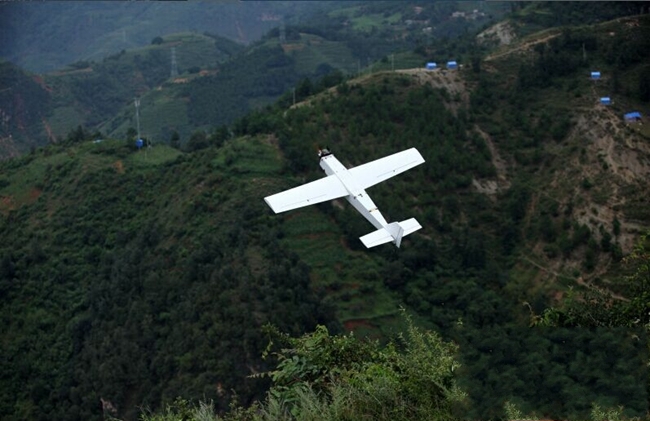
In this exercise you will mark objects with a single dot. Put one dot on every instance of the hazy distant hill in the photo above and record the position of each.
(48, 35)
(219, 80)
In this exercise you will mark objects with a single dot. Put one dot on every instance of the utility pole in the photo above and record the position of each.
(283, 34)
(137, 115)
(174, 71)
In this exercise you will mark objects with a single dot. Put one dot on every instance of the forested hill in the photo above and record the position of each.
(129, 278)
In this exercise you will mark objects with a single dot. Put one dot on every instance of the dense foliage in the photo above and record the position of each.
(324, 377)
(140, 289)
(129, 278)
(343, 377)
(24, 105)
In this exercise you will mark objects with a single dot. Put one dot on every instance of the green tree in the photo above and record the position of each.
(77, 135)
(644, 84)
(220, 135)
(198, 140)
(175, 140)
(378, 382)
(305, 88)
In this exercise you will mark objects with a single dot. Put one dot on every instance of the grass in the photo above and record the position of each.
(23, 185)
(354, 279)
(407, 60)
(316, 50)
(348, 12)
(159, 154)
(253, 156)
(365, 22)
(160, 113)
(64, 119)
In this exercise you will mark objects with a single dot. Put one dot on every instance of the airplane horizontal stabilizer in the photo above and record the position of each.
(376, 238)
(392, 232)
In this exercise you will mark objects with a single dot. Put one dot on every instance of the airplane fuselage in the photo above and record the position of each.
(357, 196)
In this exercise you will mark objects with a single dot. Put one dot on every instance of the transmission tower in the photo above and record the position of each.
(174, 71)
(283, 34)
(137, 114)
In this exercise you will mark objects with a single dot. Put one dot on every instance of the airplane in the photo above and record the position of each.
(351, 184)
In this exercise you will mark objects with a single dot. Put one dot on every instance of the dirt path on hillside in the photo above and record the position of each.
(523, 46)
(498, 162)
(580, 280)
(492, 186)
(72, 72)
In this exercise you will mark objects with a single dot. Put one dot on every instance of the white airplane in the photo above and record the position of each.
(352, 183)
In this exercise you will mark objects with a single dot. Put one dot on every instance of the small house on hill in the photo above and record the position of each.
(632, 117)
(595, 75)
(606, 100)
(431, 66)
(452, 65)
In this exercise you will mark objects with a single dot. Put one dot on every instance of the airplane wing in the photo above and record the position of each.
(382, 169)
(318, 191)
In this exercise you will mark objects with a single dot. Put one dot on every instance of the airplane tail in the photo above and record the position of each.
(394, 232)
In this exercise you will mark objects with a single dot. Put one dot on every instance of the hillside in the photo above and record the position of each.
(25, 102)
(43, 109)
(129, 278)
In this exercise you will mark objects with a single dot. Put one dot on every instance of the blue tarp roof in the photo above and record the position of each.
(595, 74)
(634, 114)
(431, 65)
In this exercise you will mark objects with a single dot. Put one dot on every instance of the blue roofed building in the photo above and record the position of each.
(632, 116)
